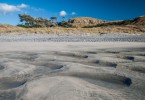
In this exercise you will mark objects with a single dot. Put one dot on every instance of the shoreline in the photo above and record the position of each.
(65, 46)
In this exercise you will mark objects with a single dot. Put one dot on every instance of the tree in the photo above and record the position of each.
(27, 19)
(35, 22)
(63, 18)
(53, 19)
(65, 24)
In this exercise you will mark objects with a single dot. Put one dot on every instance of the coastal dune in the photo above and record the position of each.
(72, 71)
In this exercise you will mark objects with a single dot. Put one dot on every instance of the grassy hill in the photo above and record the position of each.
(139, 21)
(136, 25)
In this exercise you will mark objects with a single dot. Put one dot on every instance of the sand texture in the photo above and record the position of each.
(98, 37)
(72, 71)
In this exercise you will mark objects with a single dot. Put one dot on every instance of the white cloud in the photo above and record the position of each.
(22, 6)
(73, 13)
(62, 13)
(6, 8)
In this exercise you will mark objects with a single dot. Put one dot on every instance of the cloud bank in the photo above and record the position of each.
(6, 8)
(62, 13)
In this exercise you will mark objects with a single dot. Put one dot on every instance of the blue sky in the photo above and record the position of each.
(102, 9)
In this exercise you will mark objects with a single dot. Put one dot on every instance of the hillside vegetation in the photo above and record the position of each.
(140, 21)
(75, 26)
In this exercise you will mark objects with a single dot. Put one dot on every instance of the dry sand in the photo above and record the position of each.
(72, 71)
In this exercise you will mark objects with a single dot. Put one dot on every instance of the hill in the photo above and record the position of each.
(134, 25)
(84, 25)
(85, 21)
(140, 21)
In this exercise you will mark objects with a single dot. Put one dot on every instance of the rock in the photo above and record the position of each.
(85, 21)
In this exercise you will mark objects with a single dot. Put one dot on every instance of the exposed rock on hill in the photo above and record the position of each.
(85, 21)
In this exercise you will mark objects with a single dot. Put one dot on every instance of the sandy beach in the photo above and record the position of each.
(66, 50)
(72, 71)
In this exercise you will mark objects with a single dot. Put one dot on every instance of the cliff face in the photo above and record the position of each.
(85, 21)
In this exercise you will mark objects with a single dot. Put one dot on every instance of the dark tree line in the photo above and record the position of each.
(28, 21)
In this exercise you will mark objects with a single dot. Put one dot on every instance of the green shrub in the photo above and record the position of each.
(88, 26)
(65, 24)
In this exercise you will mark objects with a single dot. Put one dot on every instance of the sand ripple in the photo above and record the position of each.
(115, 73)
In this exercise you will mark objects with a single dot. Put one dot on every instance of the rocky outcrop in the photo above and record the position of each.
(85, 21)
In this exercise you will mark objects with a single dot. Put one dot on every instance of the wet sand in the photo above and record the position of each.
(72, 71)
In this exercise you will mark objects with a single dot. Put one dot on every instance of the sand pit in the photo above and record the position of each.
(1, 67)
(72, 71)
(10, 83)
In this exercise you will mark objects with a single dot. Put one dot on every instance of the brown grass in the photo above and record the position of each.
(58, 30)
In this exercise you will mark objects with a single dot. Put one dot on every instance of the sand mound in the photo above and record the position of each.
(137, 66)
(77, 55)
(108, 78)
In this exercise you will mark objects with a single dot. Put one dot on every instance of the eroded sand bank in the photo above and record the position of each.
(72, 71)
